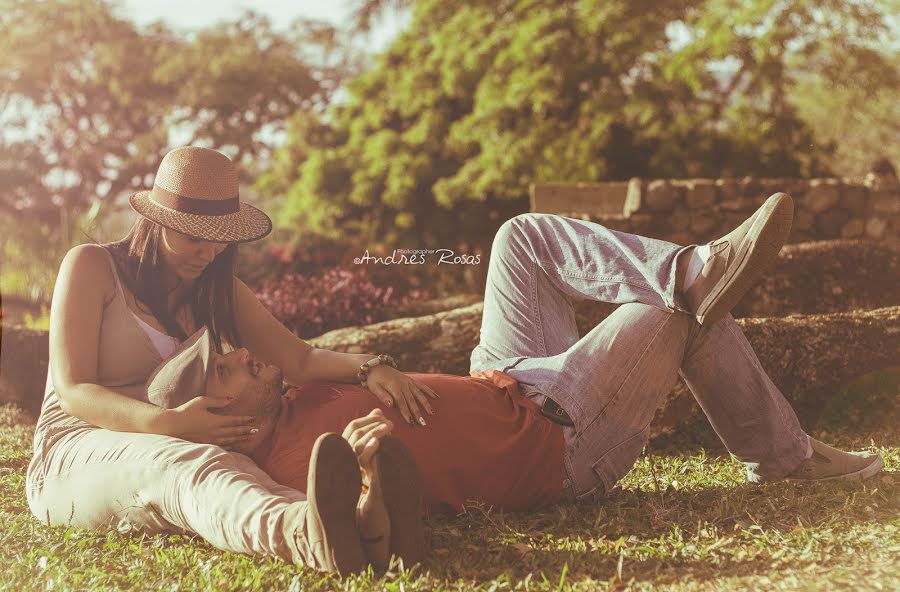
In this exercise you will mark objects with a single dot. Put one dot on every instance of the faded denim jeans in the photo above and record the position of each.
(612, 380)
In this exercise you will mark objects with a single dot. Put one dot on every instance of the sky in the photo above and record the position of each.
(191, 14)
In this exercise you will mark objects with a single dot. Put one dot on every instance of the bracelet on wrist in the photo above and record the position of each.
(363, 374)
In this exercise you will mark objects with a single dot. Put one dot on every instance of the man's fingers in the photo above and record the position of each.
(375, 433)
(358, 422)
(368, 451)
(360, 433)
(360, 436)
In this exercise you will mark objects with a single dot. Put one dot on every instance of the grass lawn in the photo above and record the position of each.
(684, 519)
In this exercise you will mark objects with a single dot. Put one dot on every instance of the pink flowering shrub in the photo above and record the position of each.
(312, 304)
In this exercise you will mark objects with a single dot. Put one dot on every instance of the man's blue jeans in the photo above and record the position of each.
(612, 380)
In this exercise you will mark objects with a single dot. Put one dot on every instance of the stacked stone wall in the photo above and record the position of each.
(686, 211)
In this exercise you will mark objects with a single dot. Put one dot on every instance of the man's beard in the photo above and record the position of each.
(277, 381)
(271, 398)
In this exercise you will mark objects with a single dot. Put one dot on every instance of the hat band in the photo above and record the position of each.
(191, 205)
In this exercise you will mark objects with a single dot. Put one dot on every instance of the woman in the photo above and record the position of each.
(103, 453)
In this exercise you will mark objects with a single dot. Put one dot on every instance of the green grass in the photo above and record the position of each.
(683, 519)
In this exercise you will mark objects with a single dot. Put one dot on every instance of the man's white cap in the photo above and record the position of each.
(182, 376)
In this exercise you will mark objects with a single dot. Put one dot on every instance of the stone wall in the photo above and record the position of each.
(686, 211)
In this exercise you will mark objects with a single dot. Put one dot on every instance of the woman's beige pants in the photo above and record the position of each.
(147, 482)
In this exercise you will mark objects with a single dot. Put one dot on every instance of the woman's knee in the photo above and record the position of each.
(107, 479)
(101, 495)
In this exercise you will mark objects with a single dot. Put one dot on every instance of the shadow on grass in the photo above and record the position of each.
(864, 410)
(698, 533)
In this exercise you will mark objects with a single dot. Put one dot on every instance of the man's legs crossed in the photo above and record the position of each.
(620, 373)
(538, 263)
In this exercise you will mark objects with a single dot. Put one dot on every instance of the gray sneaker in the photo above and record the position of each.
(830, 463)
(740, 258)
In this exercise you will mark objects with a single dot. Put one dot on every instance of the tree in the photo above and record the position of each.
(438, 143)
(777, 75)
(106, 96)
(91, 103)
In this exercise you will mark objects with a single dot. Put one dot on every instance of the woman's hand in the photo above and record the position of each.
(195, 422)
(394, 387)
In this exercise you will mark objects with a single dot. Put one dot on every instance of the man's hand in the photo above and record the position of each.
(363, 434)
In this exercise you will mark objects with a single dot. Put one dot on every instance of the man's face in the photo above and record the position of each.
(237, 373)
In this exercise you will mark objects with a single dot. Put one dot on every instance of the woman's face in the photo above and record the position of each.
(186, 256)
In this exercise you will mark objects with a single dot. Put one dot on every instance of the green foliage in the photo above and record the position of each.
(109, 95)
(91, 103)
(479, 99)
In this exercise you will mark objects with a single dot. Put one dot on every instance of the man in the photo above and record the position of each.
(486, 441)
(339, 530)
(587, 403)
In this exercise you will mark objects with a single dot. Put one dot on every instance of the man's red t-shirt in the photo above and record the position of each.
(485, 442)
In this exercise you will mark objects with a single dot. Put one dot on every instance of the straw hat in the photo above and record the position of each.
(195, 192)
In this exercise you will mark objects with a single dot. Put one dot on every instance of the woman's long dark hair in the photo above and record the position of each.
(211, 300)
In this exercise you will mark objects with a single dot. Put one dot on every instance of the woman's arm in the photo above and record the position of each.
(82, 285)
(272, 342)
(75, 315)
(268, 339)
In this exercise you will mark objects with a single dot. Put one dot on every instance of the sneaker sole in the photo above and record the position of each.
(859, 475)
(401, 486)
(758, 252)
(336, 493)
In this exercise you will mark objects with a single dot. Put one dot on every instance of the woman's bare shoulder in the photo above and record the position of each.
(89, 264)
